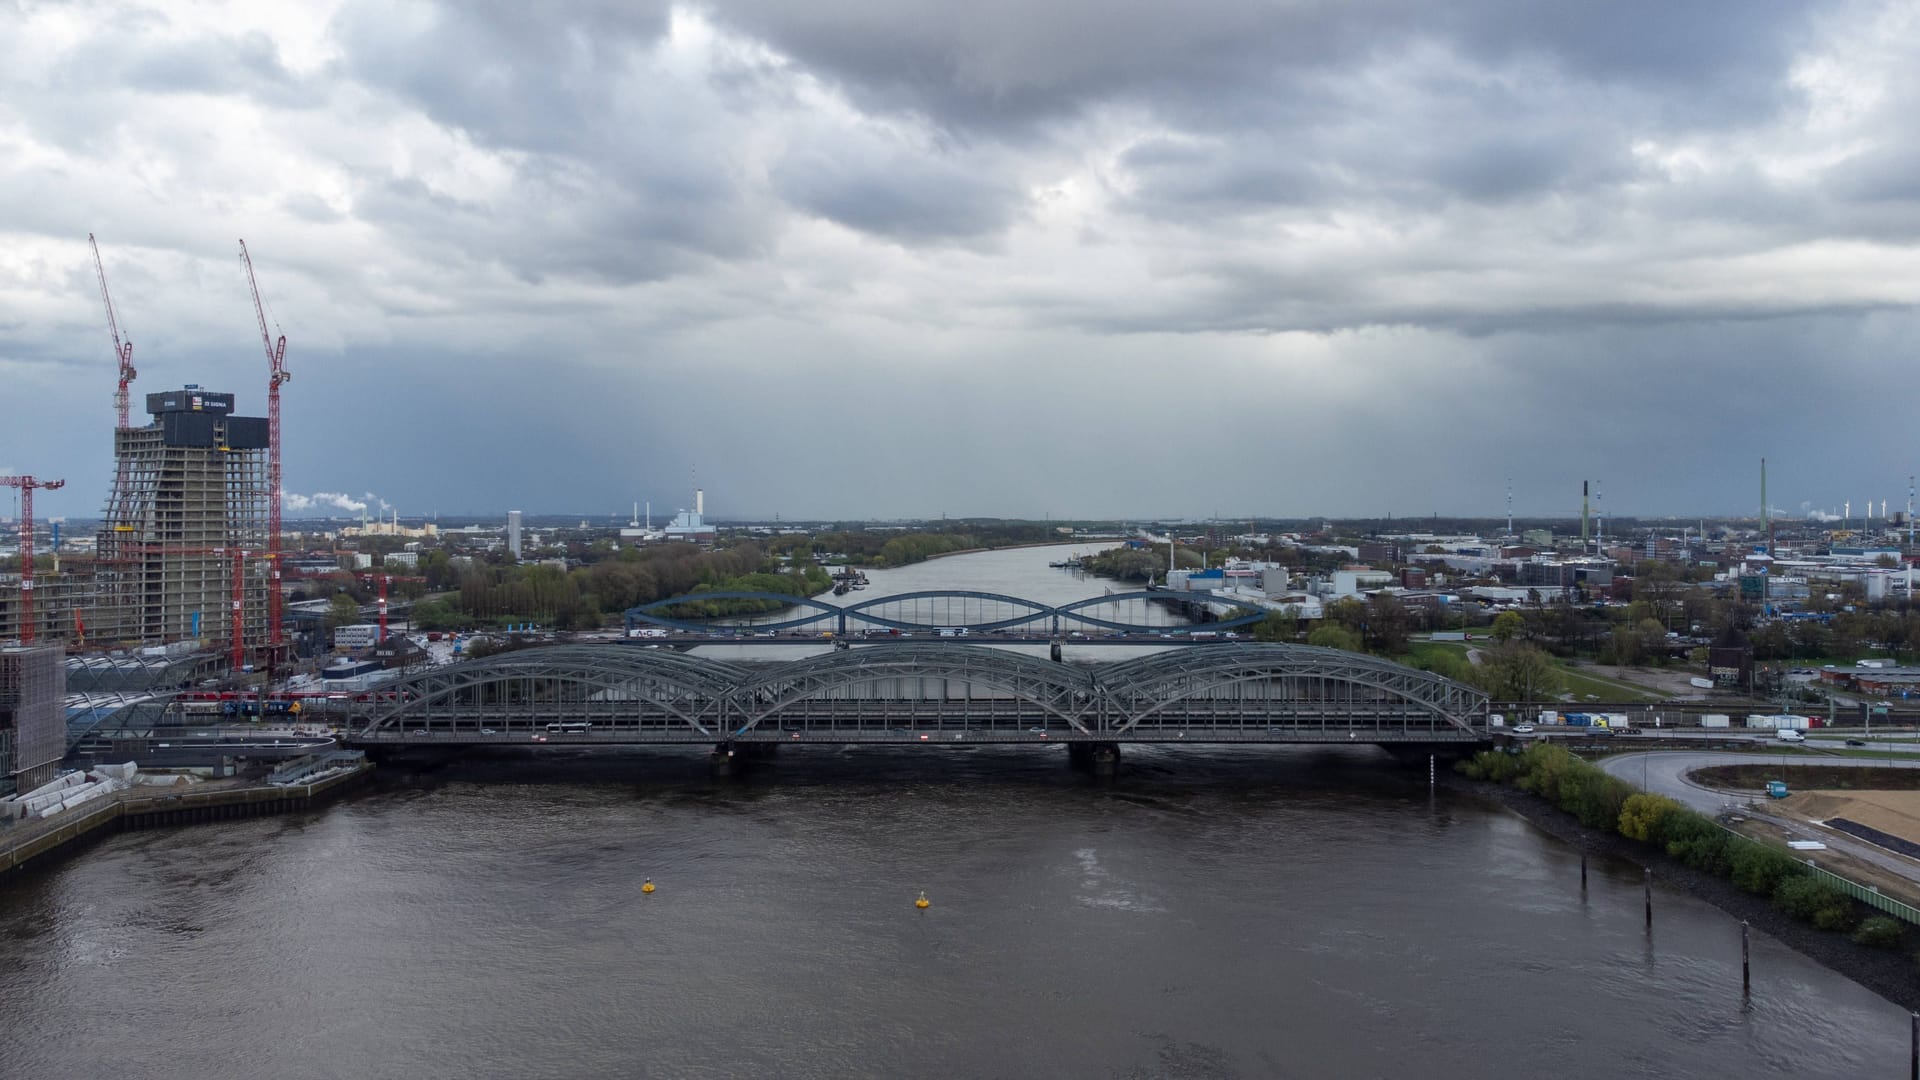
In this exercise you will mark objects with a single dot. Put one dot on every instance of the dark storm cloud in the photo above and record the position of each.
(1011, 64)
(541, 77)
(896, 192)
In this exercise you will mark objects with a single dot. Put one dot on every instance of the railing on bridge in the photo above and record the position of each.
(936, 610)
(921, 691)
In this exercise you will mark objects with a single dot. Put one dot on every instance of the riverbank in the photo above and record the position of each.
(1892, 974)
(22, 846)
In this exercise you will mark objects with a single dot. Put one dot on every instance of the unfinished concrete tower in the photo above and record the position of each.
(190, 491)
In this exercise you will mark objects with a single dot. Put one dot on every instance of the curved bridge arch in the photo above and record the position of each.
(1062, 692)
(867, 611)
(1076, 611)
(1150, 687)
(646, 612)
(587, 682)
(1036, 610)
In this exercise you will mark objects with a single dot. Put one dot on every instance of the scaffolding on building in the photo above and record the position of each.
(187, 512)
(33, 690)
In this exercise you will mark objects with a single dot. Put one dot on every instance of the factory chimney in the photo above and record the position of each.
(1585, 513)
(1766, 516)
(699, 502)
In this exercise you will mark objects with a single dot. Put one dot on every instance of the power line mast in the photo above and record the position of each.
(27, 484)
(122, 351)
(276, 374)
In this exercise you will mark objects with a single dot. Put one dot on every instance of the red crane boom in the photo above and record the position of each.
(122, 351)
(27, 484)
(276, 374)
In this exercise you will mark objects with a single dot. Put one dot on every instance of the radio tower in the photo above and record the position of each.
(277, 374)
(26, 484)
(1509, 506)
(122, 351)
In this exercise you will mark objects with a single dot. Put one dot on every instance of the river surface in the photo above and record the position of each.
(1212, 913)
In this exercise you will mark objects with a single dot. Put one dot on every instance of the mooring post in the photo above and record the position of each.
(1746, 958)
(1648, 885)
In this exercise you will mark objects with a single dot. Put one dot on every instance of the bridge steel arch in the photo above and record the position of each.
(1037, 611)
(1292, 686)
(621, 687)
(832, 684)
(1050, 615)
(1076, 611)
(648, 613)
(1229, 691)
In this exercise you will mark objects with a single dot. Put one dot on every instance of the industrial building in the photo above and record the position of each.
(690, 526)
(33, 729)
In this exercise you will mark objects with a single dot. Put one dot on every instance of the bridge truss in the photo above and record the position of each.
(923, 692)
(935, 610)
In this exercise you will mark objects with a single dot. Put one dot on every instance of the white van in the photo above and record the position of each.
(1789, 735)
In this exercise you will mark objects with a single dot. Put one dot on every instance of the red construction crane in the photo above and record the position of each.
(122, 351)
(276, 374)
(27, 484)
(384, 579)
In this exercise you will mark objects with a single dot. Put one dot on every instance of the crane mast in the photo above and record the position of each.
(122, 351)
(276, 375)
(27, 484)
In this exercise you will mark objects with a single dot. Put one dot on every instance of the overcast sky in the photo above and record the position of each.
(899, 258)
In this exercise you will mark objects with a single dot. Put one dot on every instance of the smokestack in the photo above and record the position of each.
(1766, 518)
(699, 502)
(1585, 514)
(1509, 506)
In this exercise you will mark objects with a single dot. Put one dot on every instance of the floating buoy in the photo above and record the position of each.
(648, 887)
(923, 903)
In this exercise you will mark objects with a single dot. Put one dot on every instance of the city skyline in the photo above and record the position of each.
(892, 261)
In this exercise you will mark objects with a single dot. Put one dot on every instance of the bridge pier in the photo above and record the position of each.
(1098, 758)
(734, 758)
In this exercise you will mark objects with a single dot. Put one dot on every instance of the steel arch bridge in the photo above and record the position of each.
(930, 610)
(922, 692)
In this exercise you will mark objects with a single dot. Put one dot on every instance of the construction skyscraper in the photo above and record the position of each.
(190, 498)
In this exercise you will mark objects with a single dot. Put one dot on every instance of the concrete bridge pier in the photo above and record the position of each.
(734, 758)
(1098, 758)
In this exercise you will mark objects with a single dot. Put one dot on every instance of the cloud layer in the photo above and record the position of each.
(856, 259)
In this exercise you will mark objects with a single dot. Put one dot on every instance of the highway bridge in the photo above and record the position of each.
(924, 693)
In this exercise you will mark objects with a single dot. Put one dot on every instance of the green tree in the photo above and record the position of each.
(1281, 625)
(1334, 636)
(1643, 817)
(1516, 672)
(342, 611)
(1508, 625)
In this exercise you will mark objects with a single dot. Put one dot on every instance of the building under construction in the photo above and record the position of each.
(182, 552)
(33, 730)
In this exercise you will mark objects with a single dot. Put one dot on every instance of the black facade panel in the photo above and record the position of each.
(189, 401)
(246, 432)
(187, 428)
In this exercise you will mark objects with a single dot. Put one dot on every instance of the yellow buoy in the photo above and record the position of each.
(923, 903)
(648, 887)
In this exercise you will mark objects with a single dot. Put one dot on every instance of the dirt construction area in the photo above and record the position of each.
(1893, 812)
